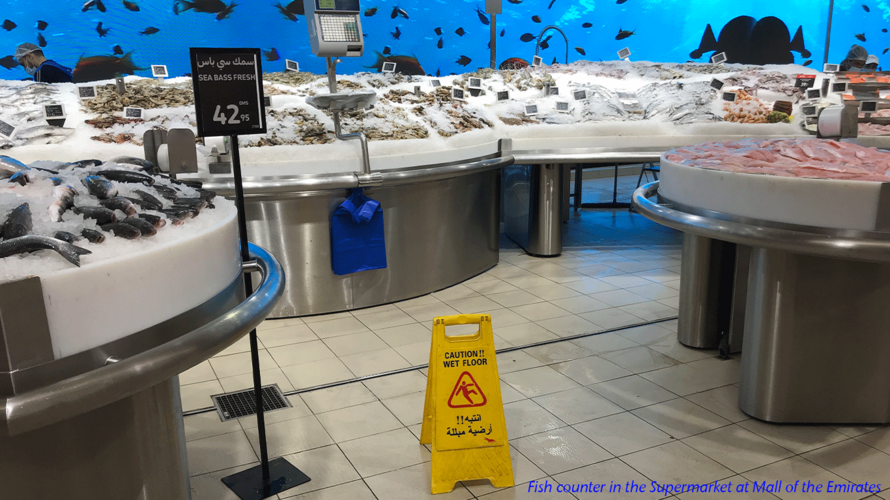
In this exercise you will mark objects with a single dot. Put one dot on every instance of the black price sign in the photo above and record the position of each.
(805, 81)
(228, 88)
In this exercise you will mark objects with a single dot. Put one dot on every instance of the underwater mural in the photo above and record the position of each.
(104, 38)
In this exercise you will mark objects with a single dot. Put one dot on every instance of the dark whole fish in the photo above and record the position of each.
(144, 227)
(92, 68)
(196, 203)
(92, 235)
(130, 5)
(22, 177)
(28, 244)
(885, 51)
(883, 30)
(544, 45)
(101, 215)
(206, 194)
(587, 25)
(440, 44)
(117, 50)
(551, 4)
(89, 4)
(9, 62)
(41, 25)
(167, 192)
(860, 37)
(154, 220)
(122, 230)
(64, 199)
(271, 54)
(503, 32)
(622, 34)
(460, 32)
(128, 176)
(225, 13)
(746, 40)
(293, 10)
(536, 19)
(119, 203)
(580, 51)
(180, 213)
(186, 182)
(808, 62)
(40, 40)
(527, 37)
(145, 165)
(553, 61)
(9, 25)
(370, 12)
(151, 199)
(517, 2)
(438, 31)
(865, 8)
(104, 31)
(66, 236)
(18, 222)
(396, 12)
(149, 31)
(619, 2)
(99, 187)
(396, 34)
(387, 51)
(464, 60)
(81, 164)
(10, 166)
(482, 17)
(144, 205)
(100, 6)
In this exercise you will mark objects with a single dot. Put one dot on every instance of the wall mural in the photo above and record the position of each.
(103, 38)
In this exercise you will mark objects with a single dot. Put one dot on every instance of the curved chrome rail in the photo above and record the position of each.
(796, 241)
(545, 30)
(86, 392)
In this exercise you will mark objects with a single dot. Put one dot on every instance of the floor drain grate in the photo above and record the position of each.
(239, 404)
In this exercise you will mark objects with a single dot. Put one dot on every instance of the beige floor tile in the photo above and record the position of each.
(650, 311)
(238, 364)
(385, 319)
(723, 401)
(355, 490)
(335, 398)
(647, 334)
(634, 267)
(695, 377)
(245, 381)
(798, 469)
(493, 285)
(298, 354)
(577, 405)
(504, 270)
(560, 450)
(408, 408)
(553, 292)
(538, 381)
(370, 363)
(796, 438)
(672, 348)
(605, 342)
(563, 275)
(337, 327)
(474, 305)
(503, 318)
(580, 304)
(526, 491)
(509, 394)
(676, 463)
(530, 281)
(412, 483)
(219, 452)
(317, 373)
(373, 310)
(632, 392)
(590, 370)
(426, 313)
(455, 292)
(854, 461)
(571, 325)
(658, 275)
(396, 385)
(289, 436)
(878, 439)
(599, 271)
(195, 396)
(541, 311)
(206, 425)
(611, 318)
(680, 418)
(327, 467)
(523, 471)
(355, 343)
(298, 409)
(590, 285)
(556, 353)
(626, 281)
(525, 334)
(737, 448)
(858, 430)
(525, 417)
(417, 301)
(612, 474)
(385, 452)
(654, 291)
(294, 334)
(359, 421)
(210, 486)
(515, 298)
(639, 359)
(202, 372)
(622, 433)
(318, 318)
(617, 298)
(404, 335)
(415, 354)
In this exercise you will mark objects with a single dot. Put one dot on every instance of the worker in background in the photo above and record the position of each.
(855, 59)
(871, 63)
(38, 66)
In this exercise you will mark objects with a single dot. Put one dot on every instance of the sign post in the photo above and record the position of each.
(228, 87)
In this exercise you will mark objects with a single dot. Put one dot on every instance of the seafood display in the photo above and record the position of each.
(67, 207)
(805, 158)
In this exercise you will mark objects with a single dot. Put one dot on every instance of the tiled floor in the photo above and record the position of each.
(632, 404)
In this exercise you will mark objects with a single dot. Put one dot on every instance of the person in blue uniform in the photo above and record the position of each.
(38, 66)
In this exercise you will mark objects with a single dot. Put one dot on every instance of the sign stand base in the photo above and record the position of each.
(249, 485)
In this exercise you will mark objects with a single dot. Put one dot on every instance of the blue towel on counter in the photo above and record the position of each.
(357, 239)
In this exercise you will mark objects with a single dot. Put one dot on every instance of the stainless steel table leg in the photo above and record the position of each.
(817, 346)
(705, 291)
(532, 207)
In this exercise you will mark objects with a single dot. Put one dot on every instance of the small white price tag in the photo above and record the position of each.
(388, 67)
(133, 113)
(624, 53)
(54, 111)
(562, 107)
(808, 110)
(580, 95)
(868, 106)
(537, 61)
(717, 84)
(435, 83)
(718, 58)
(839, 87)
(531, 109)
(830, 68)
(458, 94)
(87, 92)
(554, 91)
(291, 65)
(7, 130)
(475, 83)
(729, 96)
(159, 71)
(503, 95)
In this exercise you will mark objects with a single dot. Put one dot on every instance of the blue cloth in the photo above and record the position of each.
(357, 239)
(53, 72)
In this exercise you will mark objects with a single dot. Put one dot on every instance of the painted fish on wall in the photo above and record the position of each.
(748, 41)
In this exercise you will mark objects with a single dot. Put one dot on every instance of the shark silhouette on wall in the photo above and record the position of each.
(748, 41)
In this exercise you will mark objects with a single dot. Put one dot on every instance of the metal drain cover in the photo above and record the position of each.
(232, 405)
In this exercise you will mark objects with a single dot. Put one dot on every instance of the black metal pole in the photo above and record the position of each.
(615, 187)
(248, 284)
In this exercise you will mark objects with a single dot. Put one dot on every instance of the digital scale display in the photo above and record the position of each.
(348, 5)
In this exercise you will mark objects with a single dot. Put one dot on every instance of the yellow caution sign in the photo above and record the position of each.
(463, 414)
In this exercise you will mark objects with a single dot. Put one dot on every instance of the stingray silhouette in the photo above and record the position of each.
(748, 41)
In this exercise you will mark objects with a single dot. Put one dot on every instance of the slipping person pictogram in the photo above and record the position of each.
(464, 389)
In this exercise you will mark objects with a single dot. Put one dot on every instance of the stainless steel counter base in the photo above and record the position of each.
(706, 270)
(438, 233)
(131, 449)
(533, 196)
(817, 346)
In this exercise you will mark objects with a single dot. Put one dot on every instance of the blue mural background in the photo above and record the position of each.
(663, 30)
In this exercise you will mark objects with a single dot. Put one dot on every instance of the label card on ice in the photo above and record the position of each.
(830, 68)
(228, 85)
(718, 58)
(133, 113)
(730, 96)
(388, 67)
(839, 87)
(580, 95)
(54, 111)
(537, 61)
(562, 106)
(503, 95)
(531, 109)
(814, 94)
(475, 83)
(808, 110)
(458, 94)
(291, 65)
(624, 53)
(717, 84)
(159, 71)
(7, 130)
(554, 91)
(435, 83)
(87, 92)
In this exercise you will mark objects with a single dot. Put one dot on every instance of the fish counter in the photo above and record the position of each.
(785, 257)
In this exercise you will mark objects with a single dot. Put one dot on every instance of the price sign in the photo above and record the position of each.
(53, 111)
(435, 83)
(839, 87)
(388, 67)
(133, 113)
(536, 61)
(291, 65)
(808, 110)
(624, 53)
(554, 91)
(475, 83)
(531, 109)
(503, 95)
(729, 96)
(562, 107)
(580, 95)
(228, 88)
(159, 71)
(458, 94)
(814, 94)
(717, 84)
(830, 68)
(87, 92)
(805, 81)
(718, 58)
(868, 106)
(7, 130)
